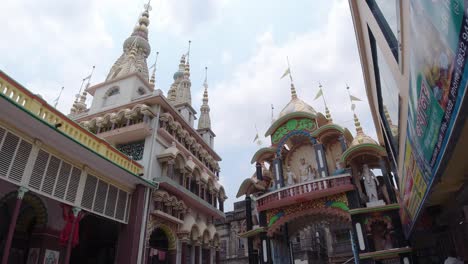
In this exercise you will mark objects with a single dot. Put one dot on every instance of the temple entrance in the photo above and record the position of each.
(97, 241)
(159, 251)
(314, 235)
(32, 215)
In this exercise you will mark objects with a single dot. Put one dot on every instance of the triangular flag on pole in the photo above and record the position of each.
(285, 73)
(354, 98)
(256, 137)
(320, 93)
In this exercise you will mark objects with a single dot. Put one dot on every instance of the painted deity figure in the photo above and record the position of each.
(307, 172)
(291, 177)
(370, 183)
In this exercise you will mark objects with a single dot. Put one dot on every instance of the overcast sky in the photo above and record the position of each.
(48, 44)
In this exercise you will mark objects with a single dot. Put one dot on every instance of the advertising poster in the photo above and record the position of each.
(438, 76)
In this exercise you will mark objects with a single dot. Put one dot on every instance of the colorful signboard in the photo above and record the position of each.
(438, 76)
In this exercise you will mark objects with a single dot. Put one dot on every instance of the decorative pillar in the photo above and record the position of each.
(388, 184)
(342, 141)
(11, 229)
(321, 160)
(129, 235)
(248, 213)
(278, 172)
(198, 255)
(170, 169)
(217, 257)
(265, 249)
(75, 211)
(193, 253)
(183, 251)
(221, 205)
(259, 173)
(286, 240)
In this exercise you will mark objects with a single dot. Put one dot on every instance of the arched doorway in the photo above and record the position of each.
(32, 215)
(162, 245)
(97, 241)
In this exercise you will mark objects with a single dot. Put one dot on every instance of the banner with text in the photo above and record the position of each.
(438, 76)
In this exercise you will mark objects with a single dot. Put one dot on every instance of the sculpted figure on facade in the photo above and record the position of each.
(290, 176)
(370, 185)
(307, 171)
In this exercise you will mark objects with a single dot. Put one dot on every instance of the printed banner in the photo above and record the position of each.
(438, 76)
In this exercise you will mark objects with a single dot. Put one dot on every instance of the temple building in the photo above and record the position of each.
(414, 66)
(320, 194)
(232, 247)
(130, 178)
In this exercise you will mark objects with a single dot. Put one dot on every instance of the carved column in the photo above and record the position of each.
(248, 212)
(278, 168)
(342, 143)
(75, 211)
(170, 169)
(387, 181)
(259, 173)
(321, 160)
(221, 205)
(11, 229)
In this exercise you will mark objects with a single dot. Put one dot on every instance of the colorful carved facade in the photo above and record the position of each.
(312, 186)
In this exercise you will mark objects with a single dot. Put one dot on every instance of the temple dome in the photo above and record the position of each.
(297, 105)
(362, 138)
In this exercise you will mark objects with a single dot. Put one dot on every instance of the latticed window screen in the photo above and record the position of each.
(56, 178)
(14, 154)
(133, 150)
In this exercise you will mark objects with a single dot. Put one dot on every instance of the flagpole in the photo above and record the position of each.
(349, 94)
(323, 96)
(58, 98)
(272, 111)
(289, 67)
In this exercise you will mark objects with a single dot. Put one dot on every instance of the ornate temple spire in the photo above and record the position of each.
(327, 111)
(357, 124)
(79, 105)
(153, 75)
(179, 93)
(205, 121)
(296, 104)
(136, 50)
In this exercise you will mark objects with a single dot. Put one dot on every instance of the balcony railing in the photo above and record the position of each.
(41, 110)
(305, 191)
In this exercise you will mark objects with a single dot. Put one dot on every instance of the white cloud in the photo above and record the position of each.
(185, 16)
(328, 56)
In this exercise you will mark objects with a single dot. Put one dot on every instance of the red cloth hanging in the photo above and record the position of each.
(67, 229)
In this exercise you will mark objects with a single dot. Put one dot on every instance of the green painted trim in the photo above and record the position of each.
(261, 152)
(378, 148)
(388, 252)
(327, 127)
(282, 119)
(74, 140)
(374, 209)
(252, 232)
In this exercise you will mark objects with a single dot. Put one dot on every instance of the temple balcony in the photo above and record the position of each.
(127, 133)
(305, 191)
